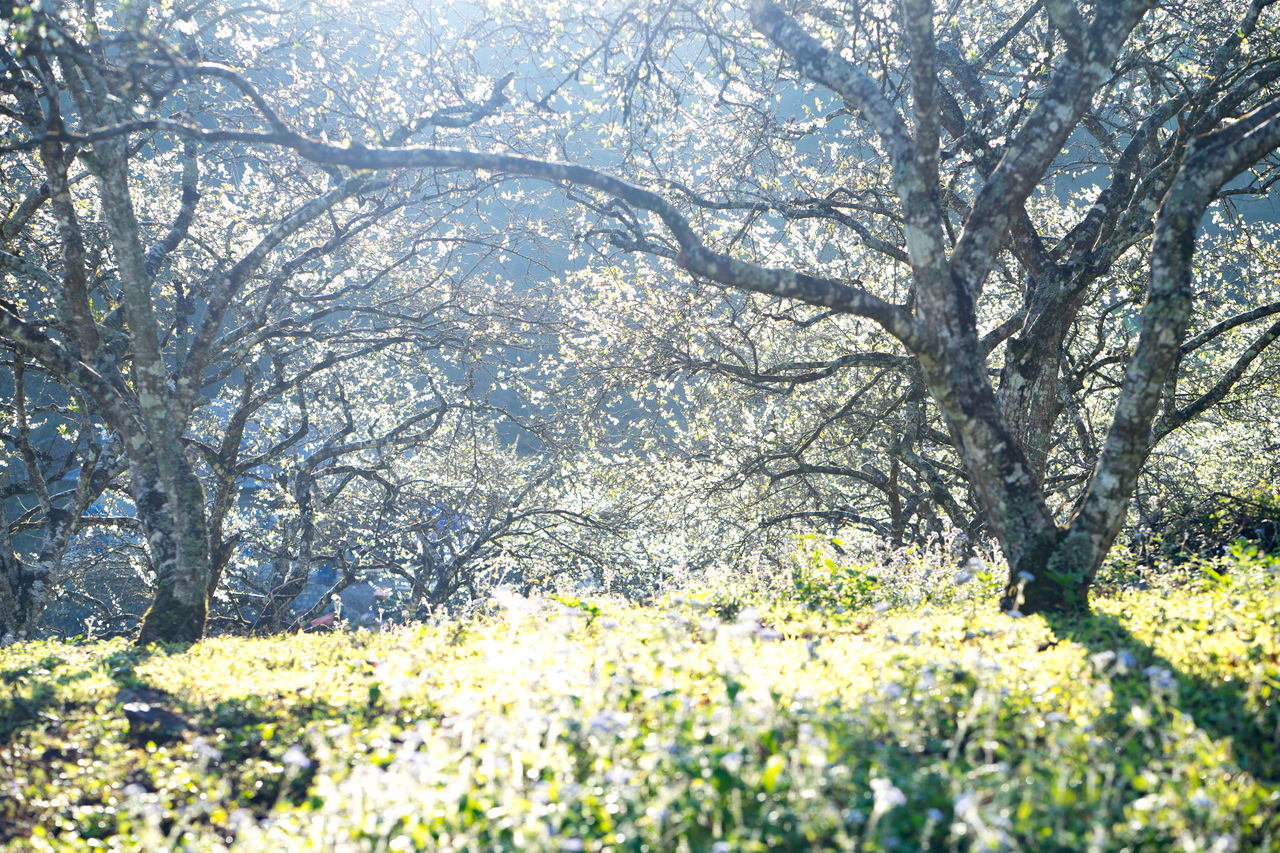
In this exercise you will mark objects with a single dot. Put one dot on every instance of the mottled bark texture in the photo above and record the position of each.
(1003, 445)
(173, 520)
(138, 405)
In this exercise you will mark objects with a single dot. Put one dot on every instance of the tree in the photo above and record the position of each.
(790, 416)
(149, 305)
(967, 159)
(61, 464)
(895, 165)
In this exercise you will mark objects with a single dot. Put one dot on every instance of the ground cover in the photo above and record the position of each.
(712, 722)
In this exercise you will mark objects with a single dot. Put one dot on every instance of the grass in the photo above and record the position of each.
(701, 725)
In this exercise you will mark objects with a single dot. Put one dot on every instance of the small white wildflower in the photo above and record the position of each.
(1026, 577)
(1014, 614)
(1224, 844)
(1200, 800)
(736, 630)
(972, 821)
(572, 844)
(1146, 804)
(962, 577)
(881, 606)
(1125, 661)
(295, 757)
(619, 776)
(721, 847)
(886, 795)
(206, 752)
(608, 722)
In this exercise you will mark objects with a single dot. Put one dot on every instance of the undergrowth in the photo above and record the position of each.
(819, 717)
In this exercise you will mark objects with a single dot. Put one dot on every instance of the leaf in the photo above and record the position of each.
(772, 771)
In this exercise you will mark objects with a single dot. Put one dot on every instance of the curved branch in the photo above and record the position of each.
(1220, 389)
(1227, 325)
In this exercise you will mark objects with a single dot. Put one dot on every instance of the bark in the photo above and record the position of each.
(1002, 438)
(1212, 161)
(169, 497)
(1030, 379)
(1002, 442)
(178, 541)
(144, 366)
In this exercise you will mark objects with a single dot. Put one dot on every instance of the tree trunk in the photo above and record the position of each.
(1060, 569)
(292, 572)
(1029, 388)
(178, 539)
(25, 587)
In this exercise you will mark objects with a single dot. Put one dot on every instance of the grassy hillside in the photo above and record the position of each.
(593, 726)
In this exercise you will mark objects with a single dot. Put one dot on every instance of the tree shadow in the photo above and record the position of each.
(31, 699)
(1219, 708)
(35, 697)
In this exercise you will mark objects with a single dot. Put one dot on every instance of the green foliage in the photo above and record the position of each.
(589, 609)
(1200, 543)
(591, 725)
(823, 582)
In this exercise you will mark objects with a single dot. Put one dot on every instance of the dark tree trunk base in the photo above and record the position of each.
(1045, 596)
(1048, 579)
(171, 621)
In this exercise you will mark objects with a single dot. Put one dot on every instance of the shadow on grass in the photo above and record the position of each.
(42, 734)
(31, 699)
(35, 697)
(1219, 708)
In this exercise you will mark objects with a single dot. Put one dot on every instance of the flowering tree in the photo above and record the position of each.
(242, 329)
(967, 187)
(177, 290)
(970, 124)
(63, 463)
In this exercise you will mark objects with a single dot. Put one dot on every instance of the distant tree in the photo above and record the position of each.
(59, 462)
(783, 416)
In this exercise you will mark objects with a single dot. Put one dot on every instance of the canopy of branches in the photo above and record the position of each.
(469, 294)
